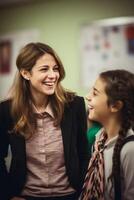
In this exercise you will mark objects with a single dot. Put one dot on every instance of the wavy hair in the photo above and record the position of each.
(120, 87)
(20, 93)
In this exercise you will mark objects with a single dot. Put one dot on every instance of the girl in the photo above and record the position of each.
(45, 126)
(110, 173)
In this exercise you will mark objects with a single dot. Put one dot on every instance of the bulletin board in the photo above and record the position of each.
(10, 45)
(104, 45)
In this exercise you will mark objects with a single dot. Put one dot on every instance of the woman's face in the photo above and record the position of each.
(44, 76)
(97, 102)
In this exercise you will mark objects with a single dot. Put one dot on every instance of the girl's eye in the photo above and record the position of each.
(94, 93)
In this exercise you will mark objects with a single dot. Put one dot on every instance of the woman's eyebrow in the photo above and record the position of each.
(41, 66)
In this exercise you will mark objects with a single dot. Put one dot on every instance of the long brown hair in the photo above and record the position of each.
(21, 97)
(120, 87)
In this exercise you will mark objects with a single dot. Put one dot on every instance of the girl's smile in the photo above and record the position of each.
(97, 102)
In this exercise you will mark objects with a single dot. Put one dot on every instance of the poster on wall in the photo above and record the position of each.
(104, 45)
(5, 56)
(10, 45)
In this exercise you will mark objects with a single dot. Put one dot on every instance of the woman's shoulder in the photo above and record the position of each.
(76, 104)
(72, 97)
(78, 99)
(5, 104)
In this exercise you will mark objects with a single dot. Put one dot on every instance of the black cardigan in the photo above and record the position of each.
(73, 127)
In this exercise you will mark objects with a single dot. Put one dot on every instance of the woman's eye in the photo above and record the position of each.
(56, 69)
(44, 69)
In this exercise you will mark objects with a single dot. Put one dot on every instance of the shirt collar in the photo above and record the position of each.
(48, 110)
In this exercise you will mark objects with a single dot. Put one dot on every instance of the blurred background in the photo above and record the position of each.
(60, 24)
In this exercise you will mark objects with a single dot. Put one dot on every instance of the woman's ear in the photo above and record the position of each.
(25, 74)
(117, 106)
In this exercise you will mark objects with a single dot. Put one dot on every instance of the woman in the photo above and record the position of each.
(45, 126)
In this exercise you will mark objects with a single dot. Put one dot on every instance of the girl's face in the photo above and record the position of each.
(97, 102)
(44, 76)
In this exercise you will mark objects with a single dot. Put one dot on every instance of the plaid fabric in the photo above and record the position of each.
(93, 188)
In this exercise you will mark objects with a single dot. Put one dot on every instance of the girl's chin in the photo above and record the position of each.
(90, 117)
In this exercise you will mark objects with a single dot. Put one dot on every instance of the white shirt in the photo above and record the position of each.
(127, 165)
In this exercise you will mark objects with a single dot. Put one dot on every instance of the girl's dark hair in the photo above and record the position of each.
(120, 87)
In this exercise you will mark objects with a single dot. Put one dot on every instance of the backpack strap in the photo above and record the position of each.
(117, 181)
(128, 139)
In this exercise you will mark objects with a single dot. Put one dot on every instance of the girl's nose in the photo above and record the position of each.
(87, 97)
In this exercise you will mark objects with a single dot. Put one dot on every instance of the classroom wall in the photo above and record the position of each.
(59, 23)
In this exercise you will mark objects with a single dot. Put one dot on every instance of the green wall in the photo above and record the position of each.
(59, 24)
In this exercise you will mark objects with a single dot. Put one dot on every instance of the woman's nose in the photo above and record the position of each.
(51, 74)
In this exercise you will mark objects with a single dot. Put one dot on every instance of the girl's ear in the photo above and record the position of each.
(117, 106)
(25, 74)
